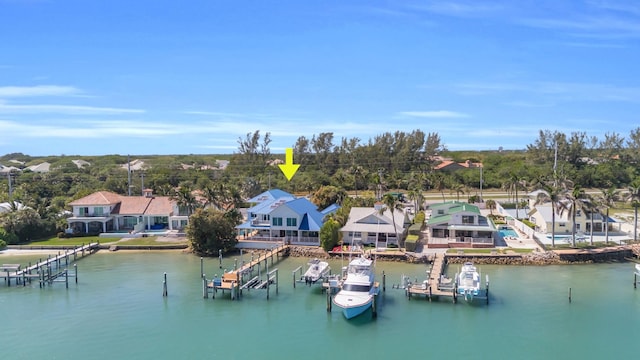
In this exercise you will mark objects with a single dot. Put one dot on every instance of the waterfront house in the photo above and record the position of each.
(455, 224)
(280, 216)
(105, 211)
(375, 226)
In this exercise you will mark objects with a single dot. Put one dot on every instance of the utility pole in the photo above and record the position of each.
(481, 198)
(142, 183)
(129, 175)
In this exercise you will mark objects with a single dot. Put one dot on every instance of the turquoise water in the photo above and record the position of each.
(117, 312)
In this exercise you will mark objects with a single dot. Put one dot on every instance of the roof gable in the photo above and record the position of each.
(98, 198)
(268, 195)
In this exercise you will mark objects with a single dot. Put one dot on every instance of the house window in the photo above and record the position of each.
(562, 225)
(84, 211)
(292, 222)
(441, 212)
(277, 221)
(468, 219)
(98, 211)
(355, 234)
(578, 213)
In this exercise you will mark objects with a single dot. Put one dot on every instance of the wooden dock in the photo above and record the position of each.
(53, 269)
(234, 281)
(437, 285)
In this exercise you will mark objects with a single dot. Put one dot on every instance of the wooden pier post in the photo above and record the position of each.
(374, 310)
(220, 257)
(233, 290)
(164, 286)
(384, 281)
(235, 264)
(66, 278)
(205, 289)
(75, 252)
(266, 262)
(569, 295)
(201, 267)
(329, 300)
(215, 290)
(75, 271)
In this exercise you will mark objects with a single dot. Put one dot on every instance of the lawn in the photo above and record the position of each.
(489, 251)
(146, 241)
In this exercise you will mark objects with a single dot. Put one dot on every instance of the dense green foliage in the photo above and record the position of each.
(330, 167)
(8, 237)
(212, 230)
(330, 234)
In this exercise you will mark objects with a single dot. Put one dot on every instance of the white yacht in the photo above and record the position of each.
(358, 289)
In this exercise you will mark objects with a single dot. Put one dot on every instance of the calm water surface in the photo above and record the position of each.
(117, 312)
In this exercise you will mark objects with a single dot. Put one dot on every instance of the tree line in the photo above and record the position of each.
(390, 161)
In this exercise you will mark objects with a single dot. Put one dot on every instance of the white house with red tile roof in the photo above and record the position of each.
(104, 211)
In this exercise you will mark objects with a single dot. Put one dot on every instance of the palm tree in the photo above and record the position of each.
(491, 205)
(578, 201)
(555, 193)
(607, 199)
(458, 189)
(439, 184)
(633, 196)
(185, 199)
(392, 204)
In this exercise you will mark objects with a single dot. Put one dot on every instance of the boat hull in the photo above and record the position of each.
(352, 311)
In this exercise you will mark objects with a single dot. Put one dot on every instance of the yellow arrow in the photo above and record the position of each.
(289, 168)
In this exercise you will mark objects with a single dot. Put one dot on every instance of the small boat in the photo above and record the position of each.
(468, 281)
(638, 269)
(317, 270)
(358, 289)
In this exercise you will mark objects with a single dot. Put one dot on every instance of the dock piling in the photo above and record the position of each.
(220, 257)
(569, 295)
(164, 286)
(384, 281)
(205, 289)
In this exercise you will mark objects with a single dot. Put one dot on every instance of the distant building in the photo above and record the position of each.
(450, 165)
(40, 168)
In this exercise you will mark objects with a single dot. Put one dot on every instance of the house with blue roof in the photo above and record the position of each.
(458, 225)
(280, 216)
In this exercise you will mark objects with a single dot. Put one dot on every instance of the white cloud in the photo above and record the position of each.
(434, 114)
(459, 8)
(63, 109)
(39, 90)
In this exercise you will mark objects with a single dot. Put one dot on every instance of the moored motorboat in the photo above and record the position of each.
(358, 289)
(317, 270)
(468, 282)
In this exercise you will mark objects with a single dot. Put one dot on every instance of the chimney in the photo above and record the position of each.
(148, 193)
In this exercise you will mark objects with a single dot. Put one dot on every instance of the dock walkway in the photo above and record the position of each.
(436, 285)
(234, 280)
(48, 270)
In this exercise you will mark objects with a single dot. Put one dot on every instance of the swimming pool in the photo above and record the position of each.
(507, 231)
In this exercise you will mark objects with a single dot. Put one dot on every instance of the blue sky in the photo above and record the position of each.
(181, 77)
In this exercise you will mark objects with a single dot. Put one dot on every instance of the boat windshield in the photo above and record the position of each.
(355, 287)
(357, 269)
